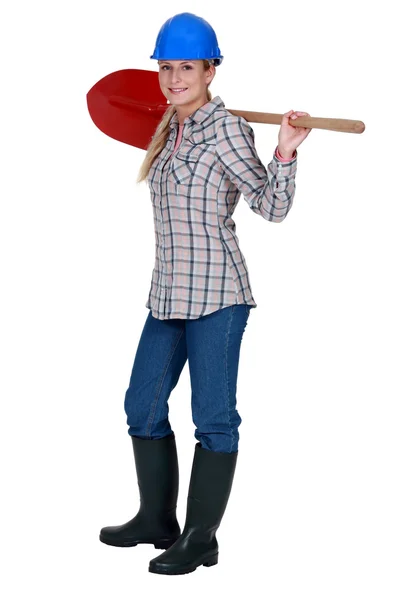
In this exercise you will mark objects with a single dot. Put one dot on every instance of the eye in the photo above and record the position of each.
(163, 67)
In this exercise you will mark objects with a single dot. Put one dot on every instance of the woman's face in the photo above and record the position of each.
(184, 81)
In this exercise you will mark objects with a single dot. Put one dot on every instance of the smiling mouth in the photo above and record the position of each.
(177, 90)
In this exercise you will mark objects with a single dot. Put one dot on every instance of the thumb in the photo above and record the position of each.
(287, 115)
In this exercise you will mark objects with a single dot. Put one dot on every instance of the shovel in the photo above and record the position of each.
(127, 105)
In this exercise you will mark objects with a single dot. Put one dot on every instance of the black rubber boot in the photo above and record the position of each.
(209, 490)
(158, 479)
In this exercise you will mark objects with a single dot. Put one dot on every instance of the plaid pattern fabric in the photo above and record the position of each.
(199, 267)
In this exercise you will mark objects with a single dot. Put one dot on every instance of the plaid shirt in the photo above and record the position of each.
(199, 267)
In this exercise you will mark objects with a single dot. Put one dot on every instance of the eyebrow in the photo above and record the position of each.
(165, 62)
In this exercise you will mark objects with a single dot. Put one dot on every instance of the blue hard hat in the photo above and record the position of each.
(187, 36)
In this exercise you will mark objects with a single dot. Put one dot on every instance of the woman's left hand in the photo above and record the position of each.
(290, 137)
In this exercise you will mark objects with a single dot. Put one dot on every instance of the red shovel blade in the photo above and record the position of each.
(127, 105)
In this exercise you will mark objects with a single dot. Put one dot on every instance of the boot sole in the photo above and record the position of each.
(158, 544)
(165, 570)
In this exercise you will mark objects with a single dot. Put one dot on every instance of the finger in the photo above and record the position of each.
(286, 116)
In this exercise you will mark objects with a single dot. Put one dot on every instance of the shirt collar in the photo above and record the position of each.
(202, 113)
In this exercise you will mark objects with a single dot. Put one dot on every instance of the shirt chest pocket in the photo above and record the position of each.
(192, 166)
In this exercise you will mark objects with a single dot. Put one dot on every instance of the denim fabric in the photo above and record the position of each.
(211, 344)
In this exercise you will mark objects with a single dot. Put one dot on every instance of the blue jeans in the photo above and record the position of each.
(211, 344)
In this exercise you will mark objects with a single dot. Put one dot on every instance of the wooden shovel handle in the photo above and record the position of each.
(346, 125)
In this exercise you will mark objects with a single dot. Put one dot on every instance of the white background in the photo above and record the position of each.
(314, 509)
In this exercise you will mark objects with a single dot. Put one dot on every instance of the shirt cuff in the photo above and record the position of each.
(279, 156)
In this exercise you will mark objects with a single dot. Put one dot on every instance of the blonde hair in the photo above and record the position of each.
(160, 136)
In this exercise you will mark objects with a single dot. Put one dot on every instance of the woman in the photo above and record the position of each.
(199, 161)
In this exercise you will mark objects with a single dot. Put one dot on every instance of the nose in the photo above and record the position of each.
(175, 76)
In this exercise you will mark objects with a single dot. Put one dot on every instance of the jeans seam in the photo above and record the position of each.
(153, 407)
(227, 376)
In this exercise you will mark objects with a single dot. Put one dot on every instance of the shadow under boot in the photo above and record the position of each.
(158, 480)
(210, 486)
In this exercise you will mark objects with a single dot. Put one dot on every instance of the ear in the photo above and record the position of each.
(210, 74)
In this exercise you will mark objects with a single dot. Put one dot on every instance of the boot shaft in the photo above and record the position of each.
(210, 487)
(157, 473)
